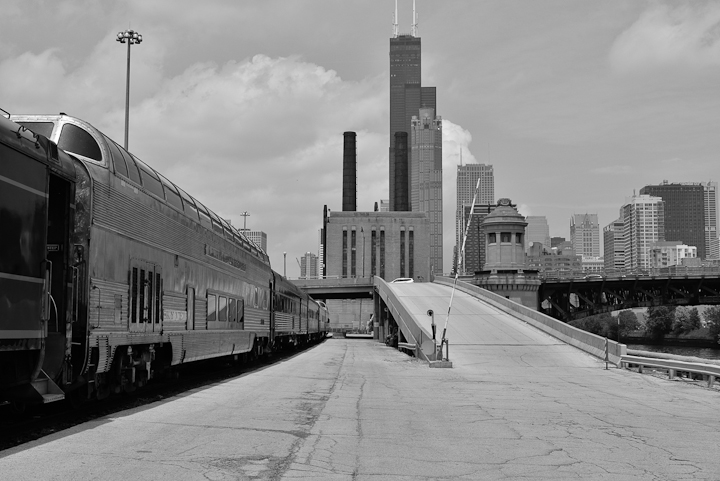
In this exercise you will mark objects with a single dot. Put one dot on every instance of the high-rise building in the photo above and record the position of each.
(643, 219)
(474, 258)
(670, 253)
(426, 177)
(684, 205)
(585, 235)
(467, 180)
(537, 231)
(309, 266)
(614, 247)
(321, 253)
(712, 249)
(407, 95)
(257, 237)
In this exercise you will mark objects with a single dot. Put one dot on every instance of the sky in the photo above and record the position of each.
(576, 103)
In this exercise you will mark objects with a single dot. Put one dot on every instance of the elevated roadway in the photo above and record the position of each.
(479, 318)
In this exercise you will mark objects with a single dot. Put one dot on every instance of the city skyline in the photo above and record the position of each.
(576, 104)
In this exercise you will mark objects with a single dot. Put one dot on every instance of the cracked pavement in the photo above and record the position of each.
(517, 405)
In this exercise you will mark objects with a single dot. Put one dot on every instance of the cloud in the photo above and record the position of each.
(612, 169)
(456, 139)
(262, 135)
(669, 35)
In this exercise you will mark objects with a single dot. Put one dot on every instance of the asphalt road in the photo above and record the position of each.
(520, 407)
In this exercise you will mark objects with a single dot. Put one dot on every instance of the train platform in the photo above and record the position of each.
(355, 409)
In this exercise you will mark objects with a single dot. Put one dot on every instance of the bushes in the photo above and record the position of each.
(606, 325)
(712, 321)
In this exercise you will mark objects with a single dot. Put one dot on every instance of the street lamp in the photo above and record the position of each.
(130, 37)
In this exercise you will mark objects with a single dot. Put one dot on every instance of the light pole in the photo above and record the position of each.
(284, 264)
(130, 37)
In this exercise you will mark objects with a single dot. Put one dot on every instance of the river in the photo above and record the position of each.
(704, 352)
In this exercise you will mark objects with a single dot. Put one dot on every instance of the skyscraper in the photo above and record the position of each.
(537, 231)
(426, 177)
(712, 249)
(643, 219)
(585, 235)
(467, 177)
(407, 95)
(614, 247)
(684, 212)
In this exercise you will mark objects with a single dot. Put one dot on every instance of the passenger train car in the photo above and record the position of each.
(144, 276)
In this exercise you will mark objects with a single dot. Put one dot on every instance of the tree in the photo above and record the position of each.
(712, 320)
(659, 321)
(686, 320)
(628, 322)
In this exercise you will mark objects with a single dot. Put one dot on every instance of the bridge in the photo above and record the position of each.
(569, 299)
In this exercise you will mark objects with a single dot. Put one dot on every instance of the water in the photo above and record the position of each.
(704, 352)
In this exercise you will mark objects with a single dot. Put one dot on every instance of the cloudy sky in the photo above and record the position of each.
(576, 103)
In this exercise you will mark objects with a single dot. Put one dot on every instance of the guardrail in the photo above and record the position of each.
(674, 367)
(420, 340)
(583, 340)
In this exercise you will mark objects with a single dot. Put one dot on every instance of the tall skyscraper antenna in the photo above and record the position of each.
(395, 22)
(414, 24)
(460, 156)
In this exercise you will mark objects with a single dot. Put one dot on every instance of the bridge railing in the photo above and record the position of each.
(583, 340)
(413, 332)
(673, 367)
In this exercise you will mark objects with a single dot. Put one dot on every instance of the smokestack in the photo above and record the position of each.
(402, 200)
(349, 202)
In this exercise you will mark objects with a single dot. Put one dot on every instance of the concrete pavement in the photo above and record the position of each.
(358, 410)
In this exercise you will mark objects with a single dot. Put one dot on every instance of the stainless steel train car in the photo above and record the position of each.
(156, 279)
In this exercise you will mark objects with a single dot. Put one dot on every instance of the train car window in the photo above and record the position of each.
(42, 128)
(211, 307)
(117, 158)
(77, 141)
(173, 197)
(188, 204)
(204, 216)
(133, 172)
(222, 308)
(216, 224)
(241, 312)
(232, 310)
(149, 179)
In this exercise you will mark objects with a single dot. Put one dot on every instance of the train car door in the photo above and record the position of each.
(58, 258)
(145, 297)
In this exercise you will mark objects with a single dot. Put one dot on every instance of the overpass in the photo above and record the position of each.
(337, 287)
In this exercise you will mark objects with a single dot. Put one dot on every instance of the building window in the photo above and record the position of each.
(411, 253)
(373, 254)
(492, 239)
(505, 237)
(344, 252)
(353, 252)
(402, 252)
(382, 252)
(518, 238)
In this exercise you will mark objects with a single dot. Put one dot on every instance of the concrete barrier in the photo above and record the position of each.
(583, 340)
